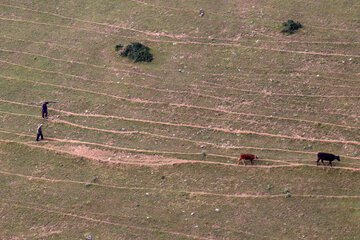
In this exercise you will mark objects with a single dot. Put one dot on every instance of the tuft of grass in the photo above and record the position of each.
(94, 178)
(203, 153)
(118, 47)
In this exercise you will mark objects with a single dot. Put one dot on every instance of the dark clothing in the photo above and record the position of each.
(39, 133)
(44, 114)
(44, 111)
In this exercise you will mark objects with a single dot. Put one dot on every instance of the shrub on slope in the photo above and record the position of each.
(137, 52)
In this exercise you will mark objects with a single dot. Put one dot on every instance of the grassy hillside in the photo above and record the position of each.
(149, 150)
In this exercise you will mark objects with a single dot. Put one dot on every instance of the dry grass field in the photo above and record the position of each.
(149, 150)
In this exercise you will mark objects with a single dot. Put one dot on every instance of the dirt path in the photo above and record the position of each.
(169, 137)
(83, 217)
(156, 34)
(262, 92)
(178, 105)
(202, 127)
(64, 211)
(82, 63)
(88, 91)
(240, 195)
(180, 92)
(183, 36)
(202, 95)
(54, 72)
(143, 101)
(166, 41)
(162, 160)
(52, 24)
(144, 161)
(81, 51)
(265, 75)
(305, 52)
(336, 29)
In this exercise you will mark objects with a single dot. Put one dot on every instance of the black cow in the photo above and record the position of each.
(327, 157)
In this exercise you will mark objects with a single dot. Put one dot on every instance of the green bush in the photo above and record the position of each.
(137, 52)
(290, 26)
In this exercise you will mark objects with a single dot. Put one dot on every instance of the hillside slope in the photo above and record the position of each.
(149, 150)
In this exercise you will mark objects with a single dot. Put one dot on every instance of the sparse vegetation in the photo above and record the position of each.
(137, 52)
(287, 193)
(203, 153)
(142, 127)
(94, 178)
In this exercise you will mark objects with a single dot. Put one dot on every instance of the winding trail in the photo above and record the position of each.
(241, 89)
(54, 72)
(83, 217)
(82, 126)
(61, 211)
(197, 94)
(184, 39)
(48, 43)
(202, 127)
(156, 34)
(175, 138)
(335, 29)
(216, 74)
(160, 162)
(181, 36)
(52, 24)
(171, 161)
(195, 193)
(309, 74)
(113, 69)
(165, 161)
(177, 105)
(181, 92)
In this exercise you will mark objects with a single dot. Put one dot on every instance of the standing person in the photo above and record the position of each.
(39, 133)
(44, 111)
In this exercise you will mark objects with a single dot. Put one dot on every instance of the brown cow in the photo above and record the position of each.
(247, 156)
